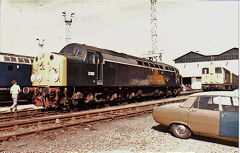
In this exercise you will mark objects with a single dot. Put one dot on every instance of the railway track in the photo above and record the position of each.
(24, 114)
(31, 113)
(18, 128)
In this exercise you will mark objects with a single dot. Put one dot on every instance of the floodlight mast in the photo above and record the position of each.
(154, 54)
(40, 44)
(68, 21)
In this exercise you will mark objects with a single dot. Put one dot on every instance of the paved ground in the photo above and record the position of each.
(20, 107)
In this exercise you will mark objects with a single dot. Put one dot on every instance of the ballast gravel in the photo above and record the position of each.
(136, 134)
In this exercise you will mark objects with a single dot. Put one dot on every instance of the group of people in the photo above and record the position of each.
(186, 87)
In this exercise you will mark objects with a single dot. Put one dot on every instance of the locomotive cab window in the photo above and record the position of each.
(78, 51)
(205, 71)
(90, 59)
(218, 70)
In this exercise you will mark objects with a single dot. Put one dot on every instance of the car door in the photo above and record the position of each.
(229, 117)
(203, 116)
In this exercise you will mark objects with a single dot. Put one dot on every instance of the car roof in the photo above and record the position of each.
(218, 93)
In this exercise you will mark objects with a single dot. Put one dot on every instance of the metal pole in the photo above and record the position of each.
(68, 22)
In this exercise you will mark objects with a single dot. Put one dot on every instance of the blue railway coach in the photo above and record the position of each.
(14, 67)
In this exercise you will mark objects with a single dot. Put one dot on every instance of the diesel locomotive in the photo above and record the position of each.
(215, 77)
(83, 74)
(14, 67)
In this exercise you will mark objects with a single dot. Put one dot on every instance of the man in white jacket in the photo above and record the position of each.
(14, 90)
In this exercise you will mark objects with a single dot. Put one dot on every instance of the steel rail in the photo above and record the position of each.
(82, 118)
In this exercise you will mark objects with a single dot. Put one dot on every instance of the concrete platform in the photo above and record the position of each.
(20, 107)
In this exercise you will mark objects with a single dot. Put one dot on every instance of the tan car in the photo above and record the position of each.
(213, 114)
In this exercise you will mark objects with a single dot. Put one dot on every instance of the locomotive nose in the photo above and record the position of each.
(48, 70)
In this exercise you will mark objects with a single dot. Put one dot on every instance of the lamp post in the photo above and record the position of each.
(40, 43)
(68, 21)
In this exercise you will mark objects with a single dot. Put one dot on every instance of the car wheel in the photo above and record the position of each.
(181, 131)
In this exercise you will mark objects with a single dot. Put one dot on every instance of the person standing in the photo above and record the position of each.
(14, 90)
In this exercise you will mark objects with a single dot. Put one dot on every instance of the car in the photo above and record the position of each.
(211, 114)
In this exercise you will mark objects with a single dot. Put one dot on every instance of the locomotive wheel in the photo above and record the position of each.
(181, 131)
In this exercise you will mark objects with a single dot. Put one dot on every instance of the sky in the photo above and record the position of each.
(207, 26)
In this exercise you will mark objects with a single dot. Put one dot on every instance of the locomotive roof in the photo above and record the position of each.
(14, 58)
(110, 55)
(16, 55)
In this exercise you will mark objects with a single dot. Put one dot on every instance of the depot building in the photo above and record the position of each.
(190, 65)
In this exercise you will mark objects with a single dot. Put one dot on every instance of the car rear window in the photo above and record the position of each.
(229, 104)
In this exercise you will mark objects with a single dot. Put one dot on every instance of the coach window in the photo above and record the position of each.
(218, 70)
(146, 64)
(151, 65)
(205, 71)
(20, 59)
(161, 67)
(31, 60)
(140, 63)
(13, 59)
(90, 58)
(6, 58)
(26, 60)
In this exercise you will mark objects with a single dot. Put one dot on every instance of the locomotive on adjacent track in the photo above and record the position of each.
(84, 74)
(215, 77)
(14, 67)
